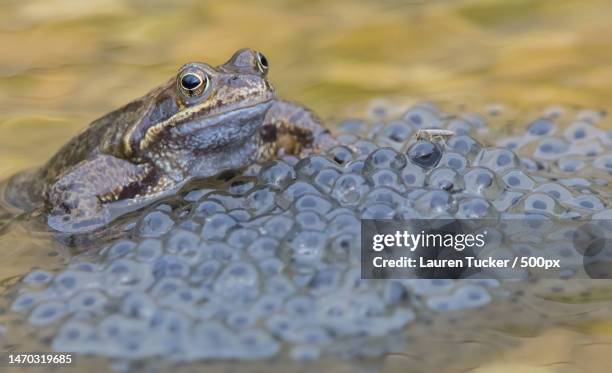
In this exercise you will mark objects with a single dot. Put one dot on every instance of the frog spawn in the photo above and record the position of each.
(271, 262)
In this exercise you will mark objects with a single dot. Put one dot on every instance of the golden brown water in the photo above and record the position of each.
(66, 62)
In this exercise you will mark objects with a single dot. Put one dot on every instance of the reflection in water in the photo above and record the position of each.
(66, 62)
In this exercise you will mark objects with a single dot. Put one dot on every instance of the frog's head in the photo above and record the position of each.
(201, 110)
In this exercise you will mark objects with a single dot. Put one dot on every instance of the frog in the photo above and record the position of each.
(202, 122)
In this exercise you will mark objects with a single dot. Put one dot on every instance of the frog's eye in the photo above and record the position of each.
(262, 63)
(193, 84)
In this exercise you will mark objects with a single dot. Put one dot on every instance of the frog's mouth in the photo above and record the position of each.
(209, 134)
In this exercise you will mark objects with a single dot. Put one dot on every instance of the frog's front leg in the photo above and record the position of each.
(289, 128)
(79, 199)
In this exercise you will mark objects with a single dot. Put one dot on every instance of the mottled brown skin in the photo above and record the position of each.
(178, 132)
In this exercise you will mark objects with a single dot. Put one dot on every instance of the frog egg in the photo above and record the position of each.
(349, 189)
(75, 336)
(138, 305)
(47, 313)
(268, 305)
(340, 154)
(420, 116)
(298, 189)
(475, 208)
(155, 224)
(378, 211)
(355, 167)
(384, 158)
(242, 237)
(541, 203)
(346, 139)
(476, 120)
(257, 344)
(217, 225)
(386, 178)
(570, 165)
(581, 130)
(497, 159)
(530, 165)
(590, 116)
(425, 287)
(425, 154)
(68, 282)
(166, 286)
(26, 301)
(313, 335)
(263, 247)
(207, 208)
(38, 277)
(342, 223)
(344, 248)
(281, 325)
(512, 143)
(541, 127)
(239, 281)
(148, 250)
(219, 251)
(551, 148)
(279, 285)
(603, 162)
(240, 319)
(213, 340)
(482, 182)
(396, 134)
(413, 176)
(436, 203)
(453, 160)
(278, 226)
(310, 202)
(170, 266)
(240, 185)
(384, 195)
(170, 323)
(465, 297)
(353, 126)
(310, 220)
(363, 149)
(589, 202)
(464, 145)
(394, 293)
(260, 201)
(205, 272)
(120, 249)
(446, 179)
(459, 126)
(325, 179)
(308, 247)
(308, 167)
(182, 241)
(276, 174)
(125, 275)
(305, 352)
(227, 200)
(88, 301)
(300, 306)
(517, 179)
(556, 191)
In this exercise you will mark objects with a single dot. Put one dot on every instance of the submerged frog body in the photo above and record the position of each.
(202, 122)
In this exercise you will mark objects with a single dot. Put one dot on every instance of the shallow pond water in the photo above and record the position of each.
(65, 63)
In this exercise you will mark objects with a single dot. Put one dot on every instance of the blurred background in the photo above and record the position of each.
(66, 62)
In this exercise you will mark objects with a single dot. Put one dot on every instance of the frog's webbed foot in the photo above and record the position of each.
(293, 129)
(79, 199)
